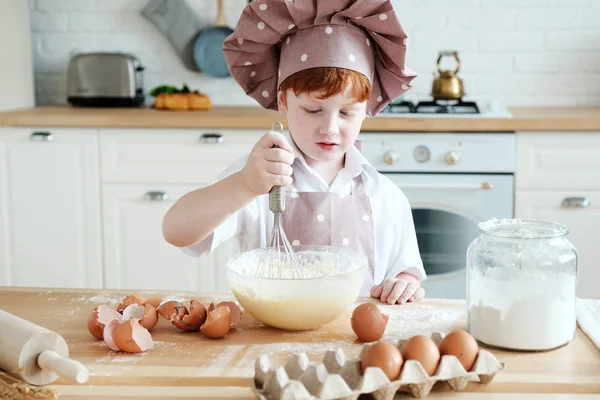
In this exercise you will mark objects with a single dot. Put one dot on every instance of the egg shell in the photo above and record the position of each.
(131, 337)
(217, 323)
(368, 322)
(150, 317)
(211, 307)
(108, 332)
(234, 310)
(99, 317)
(385, 356)
(133, 311)
(131, 299)
(462, 345)
(154, 301)
(424, 350)
(192, 320)
(169, 309)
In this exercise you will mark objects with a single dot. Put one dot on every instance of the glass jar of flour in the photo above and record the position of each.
(521, 285)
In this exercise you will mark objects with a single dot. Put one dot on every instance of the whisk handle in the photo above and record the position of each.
(277, 199)
(277, 193)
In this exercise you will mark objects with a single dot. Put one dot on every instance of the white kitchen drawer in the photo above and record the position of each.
(583, 223)
(558, 160)
(171, 155)
(135, 252)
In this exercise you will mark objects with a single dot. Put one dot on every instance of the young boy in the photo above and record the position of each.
(326, 77)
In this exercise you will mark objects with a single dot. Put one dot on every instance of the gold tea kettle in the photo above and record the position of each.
(447, 85)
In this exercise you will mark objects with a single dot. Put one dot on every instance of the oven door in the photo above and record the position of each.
(446, 209)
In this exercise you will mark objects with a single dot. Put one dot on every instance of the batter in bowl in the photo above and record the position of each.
(296, 304)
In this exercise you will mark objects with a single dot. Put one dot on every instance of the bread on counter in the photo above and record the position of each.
(169, 97)
(182, 101)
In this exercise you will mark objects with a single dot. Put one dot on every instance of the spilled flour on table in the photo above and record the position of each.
(415, 319)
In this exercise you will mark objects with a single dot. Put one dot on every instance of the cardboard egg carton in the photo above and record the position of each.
(337, 377)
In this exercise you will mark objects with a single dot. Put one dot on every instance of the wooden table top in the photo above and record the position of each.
(185, 365)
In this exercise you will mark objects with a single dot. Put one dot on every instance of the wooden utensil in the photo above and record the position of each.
(36, 354)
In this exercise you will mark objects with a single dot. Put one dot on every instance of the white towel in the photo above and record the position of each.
(588, 318)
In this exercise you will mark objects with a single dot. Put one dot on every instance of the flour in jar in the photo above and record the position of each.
(530, 310)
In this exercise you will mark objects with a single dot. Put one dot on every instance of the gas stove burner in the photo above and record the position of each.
(402, 107)
(447, 107)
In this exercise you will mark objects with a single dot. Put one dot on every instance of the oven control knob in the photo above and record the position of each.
(422, 154)
(452, 157)
(391, 157)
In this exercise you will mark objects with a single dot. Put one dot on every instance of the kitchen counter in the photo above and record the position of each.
(524, 119)
(187, 365)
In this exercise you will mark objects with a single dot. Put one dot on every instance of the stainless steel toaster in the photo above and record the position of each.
(105, 79)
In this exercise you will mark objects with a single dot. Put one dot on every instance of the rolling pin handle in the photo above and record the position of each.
(63, 367)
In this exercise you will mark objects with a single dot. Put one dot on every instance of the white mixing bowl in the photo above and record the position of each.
(299, 304)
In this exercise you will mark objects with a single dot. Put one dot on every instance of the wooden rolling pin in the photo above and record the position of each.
(36, 354)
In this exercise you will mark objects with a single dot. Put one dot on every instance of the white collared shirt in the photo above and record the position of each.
(395, 243)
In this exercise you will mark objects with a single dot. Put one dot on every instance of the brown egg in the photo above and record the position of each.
(217, 323)
(211, 307)
(368, 322)
(131, 299)
(234, 309)
(99, 317)
(385, 356)
(154, 301)
(131, 337)
(462, 345)
(424, 350)
(169, 309)
(193, 320)
(150, 317)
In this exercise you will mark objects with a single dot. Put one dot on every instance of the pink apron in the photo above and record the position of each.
(331, 219)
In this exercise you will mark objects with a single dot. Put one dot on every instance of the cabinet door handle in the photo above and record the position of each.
(212, 138)
(157, 196)
(573, 202)
(43, 136)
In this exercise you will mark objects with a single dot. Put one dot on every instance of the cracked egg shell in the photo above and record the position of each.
(150, 317)
(109, 329)
(154, 301)
(169, 309)
(99, 317)
(135, 298)
(217, 323)
(192, 320)
(235, 312)
(368, 322)
(211, 307)
(131, 337)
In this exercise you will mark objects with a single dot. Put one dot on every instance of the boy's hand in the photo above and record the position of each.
(398, 290)
(268, 166)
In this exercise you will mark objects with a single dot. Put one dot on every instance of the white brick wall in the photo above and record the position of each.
(520, 52)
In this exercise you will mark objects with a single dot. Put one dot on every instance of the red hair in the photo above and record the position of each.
(328, 82)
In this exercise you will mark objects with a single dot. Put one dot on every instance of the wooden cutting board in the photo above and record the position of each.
(188, 365)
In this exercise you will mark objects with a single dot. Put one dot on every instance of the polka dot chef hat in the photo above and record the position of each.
(274, 39)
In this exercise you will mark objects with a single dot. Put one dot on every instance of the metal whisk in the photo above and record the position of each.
(278, 260)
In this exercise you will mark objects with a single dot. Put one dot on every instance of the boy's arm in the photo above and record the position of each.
(197, 214)
(404, 276)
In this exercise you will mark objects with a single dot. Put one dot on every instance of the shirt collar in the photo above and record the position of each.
(355, 162)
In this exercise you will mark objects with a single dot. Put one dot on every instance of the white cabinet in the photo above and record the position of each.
(558, 179)
(143, 173)
(136, 254)
(50, 233)
(185, 156)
